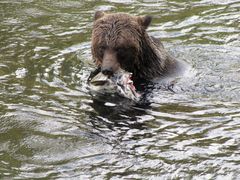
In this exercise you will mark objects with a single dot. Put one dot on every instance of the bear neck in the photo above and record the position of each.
(153, 60)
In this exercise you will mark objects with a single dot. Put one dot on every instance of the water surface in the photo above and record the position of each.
(51, 128)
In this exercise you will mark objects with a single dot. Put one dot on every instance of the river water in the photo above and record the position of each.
(51, 128)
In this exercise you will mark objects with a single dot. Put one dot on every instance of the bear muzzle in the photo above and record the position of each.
(110, 63)
(108, 71)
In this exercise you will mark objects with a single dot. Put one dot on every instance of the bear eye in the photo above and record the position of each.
(101, 50)
(125, 52)
(122, 52)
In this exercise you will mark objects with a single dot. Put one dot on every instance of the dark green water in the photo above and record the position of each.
(50, 127)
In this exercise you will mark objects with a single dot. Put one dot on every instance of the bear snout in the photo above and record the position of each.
(110, 63)
(108, 71)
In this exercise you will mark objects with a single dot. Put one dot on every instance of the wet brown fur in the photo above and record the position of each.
(121, 40)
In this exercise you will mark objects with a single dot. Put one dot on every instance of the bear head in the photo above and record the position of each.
(117, 41)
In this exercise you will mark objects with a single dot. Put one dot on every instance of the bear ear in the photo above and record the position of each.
(98, 14)
(145, 21)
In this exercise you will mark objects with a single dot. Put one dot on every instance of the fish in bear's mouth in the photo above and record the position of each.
(119, 83)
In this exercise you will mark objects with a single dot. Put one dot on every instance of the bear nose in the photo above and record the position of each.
(107, 71)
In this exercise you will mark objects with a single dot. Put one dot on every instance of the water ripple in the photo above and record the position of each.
(51, 127)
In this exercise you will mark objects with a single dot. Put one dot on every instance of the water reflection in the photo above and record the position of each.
(122, 115)
(51, 127)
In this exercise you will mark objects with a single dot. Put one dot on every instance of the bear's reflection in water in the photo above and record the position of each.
(116, 112)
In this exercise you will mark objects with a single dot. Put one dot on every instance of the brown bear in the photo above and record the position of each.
(120, 40)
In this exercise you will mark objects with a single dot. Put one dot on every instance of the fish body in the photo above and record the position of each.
(119, 83)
